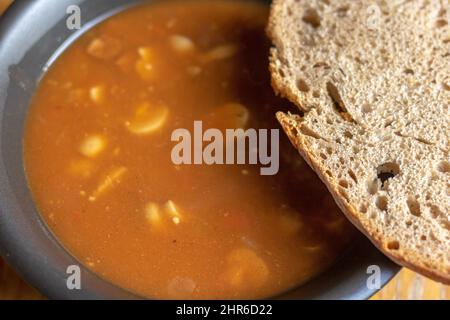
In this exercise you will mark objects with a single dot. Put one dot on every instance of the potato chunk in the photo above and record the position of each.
(104, 48)
(144, 69)
(144, 65)
(231, 116)
(173, 212)
(127, 61)
(221, 52)
(181, 44)
(92, 146)
(246, 268)
(82, 168)
(153, 213)
(148, 119)
(156, 214)
(172, 209)
(97, 94)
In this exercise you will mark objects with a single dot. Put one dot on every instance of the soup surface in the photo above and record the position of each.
(98, 158)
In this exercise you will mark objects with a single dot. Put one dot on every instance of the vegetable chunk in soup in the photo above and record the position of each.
(98, 158)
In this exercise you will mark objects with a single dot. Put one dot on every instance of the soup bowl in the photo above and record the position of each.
(32, 36)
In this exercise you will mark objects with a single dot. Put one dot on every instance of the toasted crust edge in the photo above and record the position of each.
(406, 258)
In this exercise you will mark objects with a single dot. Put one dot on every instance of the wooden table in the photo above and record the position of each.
(406, 285)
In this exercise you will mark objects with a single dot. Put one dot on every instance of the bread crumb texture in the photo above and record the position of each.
(372, 82)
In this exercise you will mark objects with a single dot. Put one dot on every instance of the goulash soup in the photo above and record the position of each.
(98, 158)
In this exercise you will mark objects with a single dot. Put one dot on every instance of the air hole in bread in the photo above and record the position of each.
(414, 207)
(446, 224)
(388, 123)
(408, 71)
(342, 11)
(421, 140)
(308, 132)
(443, 167)
(352, 175)
(382, 203)
(441, 23)
(338, 102)
(446, 85)
(393, 245)
(316, 94)
(435, 212)
(302, 85)
(358, 60)
(387, 171)
(321, 65)
(399, 134)
(343, 184)
(408, 223)
(348, 135)
(289, 11)
(363, 208)
(323, 156)
(312, 18)
(423, 237)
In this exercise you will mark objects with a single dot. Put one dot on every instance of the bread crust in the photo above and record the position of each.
(405, 259)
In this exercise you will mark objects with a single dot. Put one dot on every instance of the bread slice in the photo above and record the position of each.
(372, 81)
